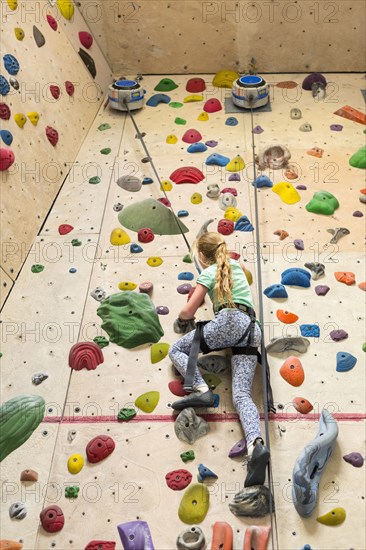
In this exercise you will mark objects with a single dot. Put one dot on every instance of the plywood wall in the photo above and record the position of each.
(193, 36)
(30, 186)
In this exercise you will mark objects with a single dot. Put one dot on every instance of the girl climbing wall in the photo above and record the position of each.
(233, 326)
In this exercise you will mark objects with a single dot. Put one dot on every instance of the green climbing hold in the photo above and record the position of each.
(130, 319)
(94, 180)
(363, 347)
(194, 504)
(187, 259)
(19, 417)
(37, 268)
(158, 352)
(76, 242)
(104, 126)
(334, 517)
(126, 414)
(358, 160)
(323, 202)
(212, 380)
(101, 341)
(106, 151)
(187, 456)
(72, 492)
(175, 104)
(166, 85)
(152, 214)
(1, 354)
(148, 401)
(181, 121)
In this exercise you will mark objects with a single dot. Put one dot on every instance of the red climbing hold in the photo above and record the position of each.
(191, 136)
(145, 235)
(187, 174)
(176, 387)
(234, 255)
(52, 135)
(65, 228)
(52, 519)
(70, 88)
(178, 479)
(52, 22)
(99, 448)
(86, 39)
(231, 190)
(225, 227)
(5, 112)
(292, 371)
(100, 545)
(7, 159)
(165, 202)
(85, 355)
(212, 105)
(55, 91)
(195, 85)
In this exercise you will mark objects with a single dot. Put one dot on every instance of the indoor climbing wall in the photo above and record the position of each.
(53, 80)
(138, 36)
(88, 324)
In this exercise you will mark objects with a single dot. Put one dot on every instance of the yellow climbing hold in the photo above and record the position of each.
(13, 4)
(194, 505)
(171, 139)
(158, 352)
(232, 214)
(334, 517)
(33, 117)
(236, 164)
(148, 401)
(75, 463)
(287, 192)
(66, 8)
(127, 285)
(203, 117)
(225, 79)
(196, 198)
(19, 33)
(154, 261)
(119, 237)
(166, 185)
(20, 119)
(248, 275)
(193, 97)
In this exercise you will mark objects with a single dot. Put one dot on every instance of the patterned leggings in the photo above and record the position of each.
(225, 331)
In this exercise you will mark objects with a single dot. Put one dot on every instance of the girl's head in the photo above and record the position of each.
(212, 249)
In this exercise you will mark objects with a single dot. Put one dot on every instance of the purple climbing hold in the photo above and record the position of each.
(135, 535)
(322, 290)
(299, 244)
(258, 130)
(338, 335)
(312, 79)
(356, 459)
(211, 143)
(357, 214)
(336, 127)
(234, 177)
(301, 187)
(239, 448)
(162, 310)
(184, 289)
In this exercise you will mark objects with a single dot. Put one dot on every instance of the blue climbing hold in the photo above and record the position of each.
(154, 100)
(4, 85)
(275, 291)
(234, 177)
(217, 160)
(182, 213)
(231, 121)
(197, 147)
(11, 64)
(310, 330)
(147, 181)
(135, 249)
(306, 547)
(296, 276)
(243, 224)
(6, 136)
(185, 276)
(72, 270)
(345, 361)
(205, 473)
(262, 181)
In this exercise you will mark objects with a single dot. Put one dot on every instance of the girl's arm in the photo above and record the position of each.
(189, 310)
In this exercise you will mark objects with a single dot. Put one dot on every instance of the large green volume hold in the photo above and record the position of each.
(19, 417)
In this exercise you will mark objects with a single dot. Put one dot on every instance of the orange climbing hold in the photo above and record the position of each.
(302, 405)
(346, 277)
(256, 538)
(281, 233)
(292, 371)
(6, 544)
(363, 191)
(286, 316)
(351, 114)
(222, 536)
(362, 286)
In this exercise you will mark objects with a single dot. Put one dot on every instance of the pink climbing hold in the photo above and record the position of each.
(212, 105)
(86, 39)
(65, 228)
(234, 255)
(178, 479)
(195, 85)
(7, 159)
(52, 135)
(52, 22)
(191, 136)
(165, 202)
(70, 88)
(5, 112)
(100, 545)
(55, 91)
(85, 355)
(145, 235)
(99, 448)
(231, 190)
(225, 227)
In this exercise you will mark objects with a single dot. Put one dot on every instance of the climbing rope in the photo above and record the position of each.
(272, 512)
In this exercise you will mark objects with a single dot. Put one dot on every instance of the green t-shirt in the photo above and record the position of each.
(241, 293)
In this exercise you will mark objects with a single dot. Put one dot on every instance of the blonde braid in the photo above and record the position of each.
(224, 282)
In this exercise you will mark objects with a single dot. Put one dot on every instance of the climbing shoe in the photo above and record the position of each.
(256, 474)
(195, 399)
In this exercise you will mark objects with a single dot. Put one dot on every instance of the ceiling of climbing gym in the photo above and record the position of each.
(193, 36)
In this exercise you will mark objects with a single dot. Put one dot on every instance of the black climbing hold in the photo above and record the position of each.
(89, 62)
